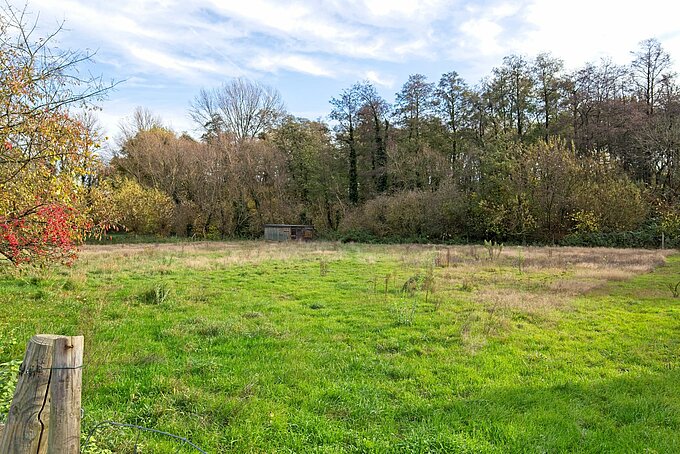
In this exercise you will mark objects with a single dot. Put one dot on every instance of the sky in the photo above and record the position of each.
(163, 52)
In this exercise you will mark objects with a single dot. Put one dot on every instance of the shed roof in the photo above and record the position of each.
(290, 225)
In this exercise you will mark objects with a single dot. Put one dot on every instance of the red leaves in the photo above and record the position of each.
(8, 145)
(50, 233)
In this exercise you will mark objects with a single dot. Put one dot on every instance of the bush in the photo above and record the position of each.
(419, 216)
(648, 236)
(125, 204)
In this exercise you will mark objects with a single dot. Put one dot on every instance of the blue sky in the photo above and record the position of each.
(165, 51)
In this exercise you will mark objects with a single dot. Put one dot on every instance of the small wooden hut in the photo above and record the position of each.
(288, 232)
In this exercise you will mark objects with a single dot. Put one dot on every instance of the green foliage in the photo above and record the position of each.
(93, 445)
(9, 373)
(585, 222)
(647, 236)
(670, 222)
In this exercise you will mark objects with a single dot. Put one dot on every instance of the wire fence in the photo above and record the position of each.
(181, 442)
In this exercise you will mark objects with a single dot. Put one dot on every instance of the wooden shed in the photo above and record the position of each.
(288, 232)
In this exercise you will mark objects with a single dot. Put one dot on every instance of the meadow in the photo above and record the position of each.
(337, 348)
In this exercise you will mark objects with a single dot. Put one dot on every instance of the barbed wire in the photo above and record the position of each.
(32, 370)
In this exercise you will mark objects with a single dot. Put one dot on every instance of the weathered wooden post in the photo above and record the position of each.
(65, 395)
(50, 380)
(26, 427)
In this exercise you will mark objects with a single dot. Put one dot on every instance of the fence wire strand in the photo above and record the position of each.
(181, 440)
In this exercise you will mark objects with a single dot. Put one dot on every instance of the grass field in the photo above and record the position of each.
(325, 347)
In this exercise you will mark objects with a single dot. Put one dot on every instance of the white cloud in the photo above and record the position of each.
(481, 35)
(297, 63)
(167, 61)
(588, 30)
(378, 79)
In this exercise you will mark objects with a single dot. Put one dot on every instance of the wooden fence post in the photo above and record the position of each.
(49, 382)
(28, 418)
(65, 393)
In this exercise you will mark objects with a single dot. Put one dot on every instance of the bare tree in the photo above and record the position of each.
(142, 119)
(241, 107)
(648, 67)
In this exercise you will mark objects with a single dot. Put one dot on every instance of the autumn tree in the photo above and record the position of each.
(46, 150)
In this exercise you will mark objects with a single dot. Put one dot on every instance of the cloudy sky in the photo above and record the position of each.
(164, 51)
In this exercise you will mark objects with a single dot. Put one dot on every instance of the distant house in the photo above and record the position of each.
(288, 232)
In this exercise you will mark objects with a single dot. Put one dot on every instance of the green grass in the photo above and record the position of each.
(254, 347)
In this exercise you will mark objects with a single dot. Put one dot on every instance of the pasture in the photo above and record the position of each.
(338, 348)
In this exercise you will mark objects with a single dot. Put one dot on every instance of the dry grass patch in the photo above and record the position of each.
(573, 287)
(205, 256)
(637, 260)
(522, 301)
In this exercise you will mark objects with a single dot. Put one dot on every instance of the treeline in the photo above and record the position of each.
(531, 153)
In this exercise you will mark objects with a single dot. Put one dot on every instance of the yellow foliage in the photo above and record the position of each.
(125, 204)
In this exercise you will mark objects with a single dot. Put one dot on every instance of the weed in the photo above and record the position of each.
(493, 249)
(674, 288)
(520, 260)
(428, 283)
(167, 260)
(92, 445)
(69, 285)
(74, 282)
(473, 253)
(158, 294)
(443, 259)
(492, 317)
(466, 286)
(412, 284)
(405, 311)
(437, 302)
(388, 276)
(41, 295)
(323, 267)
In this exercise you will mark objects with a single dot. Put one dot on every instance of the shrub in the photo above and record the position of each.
(125, 204)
